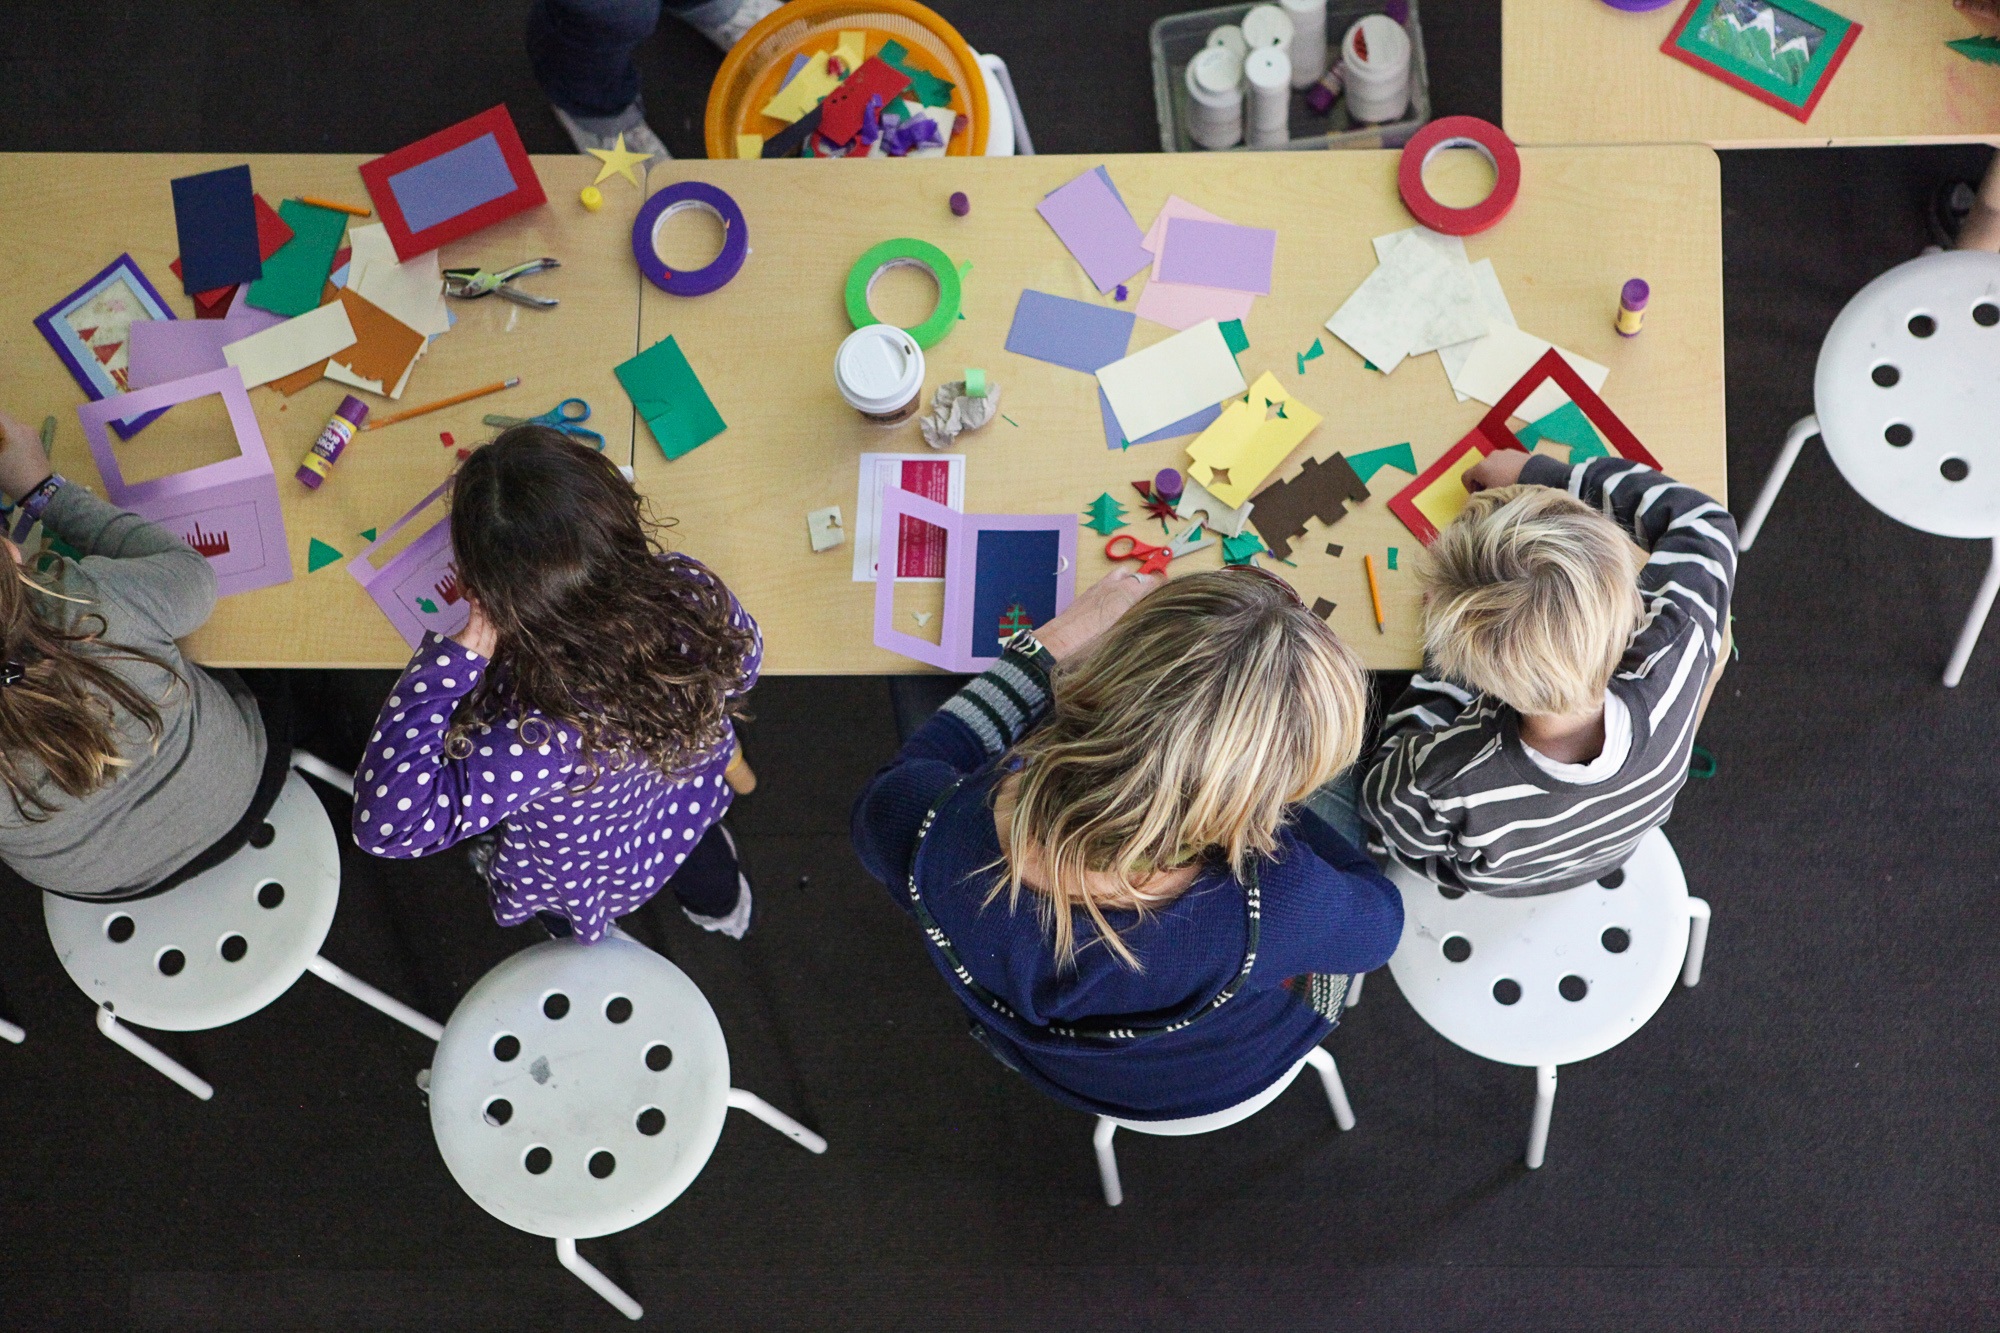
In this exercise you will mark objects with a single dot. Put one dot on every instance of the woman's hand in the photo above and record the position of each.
(24, 464)
(478, 636)
(1497, 469)
(1984, 11)
(1096, 611)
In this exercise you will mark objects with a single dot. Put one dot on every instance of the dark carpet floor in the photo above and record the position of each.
(1799, 1144)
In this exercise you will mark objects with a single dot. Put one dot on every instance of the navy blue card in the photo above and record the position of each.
(1013, 584)
(217, 224)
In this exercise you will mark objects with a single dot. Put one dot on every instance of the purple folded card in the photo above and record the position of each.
(1218, 254)
(1089, 217)
(160, 351)
(1012, 570)
(228, 511)
(1069, 333)
(418, 589)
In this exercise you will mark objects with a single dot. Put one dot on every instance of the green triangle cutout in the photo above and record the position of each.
(319, 555)
(368, 535)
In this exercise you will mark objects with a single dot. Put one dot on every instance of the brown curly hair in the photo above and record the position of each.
(598, 627)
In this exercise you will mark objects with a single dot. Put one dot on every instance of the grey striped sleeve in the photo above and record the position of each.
(1001, 705)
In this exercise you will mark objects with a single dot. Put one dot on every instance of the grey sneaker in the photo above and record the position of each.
(588, 132)
(728, 30)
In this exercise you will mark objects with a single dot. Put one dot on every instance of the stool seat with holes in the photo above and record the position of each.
(1550, 980)
(1906, 399)
(579, 1089)
(221, 946)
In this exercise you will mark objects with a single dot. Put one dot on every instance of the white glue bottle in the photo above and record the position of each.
(1308, 50)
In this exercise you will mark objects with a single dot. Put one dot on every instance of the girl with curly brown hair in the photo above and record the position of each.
(583, 713)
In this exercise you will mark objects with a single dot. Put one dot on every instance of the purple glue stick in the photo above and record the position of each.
(326, 450)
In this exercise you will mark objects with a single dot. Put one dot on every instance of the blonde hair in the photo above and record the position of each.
(1214, 704)
(1530, 596)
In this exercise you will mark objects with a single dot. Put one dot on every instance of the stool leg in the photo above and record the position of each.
(596, 1281)
(1697, 941)
(108, 1024)
(13, 1032)
(1354, 990)
(315, 767)
(1975, 621)
(1107, 1161)
(741, 778)
(776, 1119)
(342, 979)
(1795, 440)
(1321, 1059)
(1545, 1103)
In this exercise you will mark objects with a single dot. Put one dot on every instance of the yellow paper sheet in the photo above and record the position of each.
(852, 48)
(802, 94)
(1250, 441)
(292, 345)
(1441, 501)
(750, 146)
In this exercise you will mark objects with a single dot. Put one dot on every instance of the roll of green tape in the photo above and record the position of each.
(890, 254)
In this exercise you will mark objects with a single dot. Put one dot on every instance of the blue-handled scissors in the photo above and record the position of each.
(567, 416)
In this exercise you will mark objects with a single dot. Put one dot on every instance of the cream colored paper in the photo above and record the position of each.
(1171, 379)
(1504, 355)
(292, 345)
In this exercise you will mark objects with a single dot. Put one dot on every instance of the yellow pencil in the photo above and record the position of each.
(1374, 593)
(376, 423)
(348, 209)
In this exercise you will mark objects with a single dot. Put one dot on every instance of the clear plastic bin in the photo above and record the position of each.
(1177, 37)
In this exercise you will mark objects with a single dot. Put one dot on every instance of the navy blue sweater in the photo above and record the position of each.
(1325, 908)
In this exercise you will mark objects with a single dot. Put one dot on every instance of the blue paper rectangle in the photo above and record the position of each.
(1012, 569)
(1069, 333)
(216, 223)
(452, 183)
(1187, 425)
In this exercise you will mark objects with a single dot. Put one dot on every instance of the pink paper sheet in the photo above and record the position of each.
(1182, 305)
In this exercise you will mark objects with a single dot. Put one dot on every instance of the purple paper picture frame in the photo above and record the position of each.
(422, 571)
(961, 562)
(228, 511)
(83, 364)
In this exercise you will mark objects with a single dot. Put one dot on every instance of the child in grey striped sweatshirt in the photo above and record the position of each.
(1552, 723)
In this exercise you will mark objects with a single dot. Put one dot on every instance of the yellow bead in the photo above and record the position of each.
(591, 198)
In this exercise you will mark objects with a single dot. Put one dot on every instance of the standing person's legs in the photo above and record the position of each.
(1981, 228)
(711, 886)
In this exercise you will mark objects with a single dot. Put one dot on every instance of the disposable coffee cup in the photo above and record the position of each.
(879, 370)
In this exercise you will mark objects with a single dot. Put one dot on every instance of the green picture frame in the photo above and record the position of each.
(1746, 44)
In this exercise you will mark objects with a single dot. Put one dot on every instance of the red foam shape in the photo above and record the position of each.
(526, 194)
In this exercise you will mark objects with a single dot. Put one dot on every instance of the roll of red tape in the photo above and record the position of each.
(1459, 132)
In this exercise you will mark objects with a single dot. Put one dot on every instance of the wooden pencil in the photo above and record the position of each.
(1374, 593)
(377, 423)
(350, 209)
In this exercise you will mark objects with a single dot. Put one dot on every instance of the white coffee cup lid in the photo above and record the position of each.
(878, 368)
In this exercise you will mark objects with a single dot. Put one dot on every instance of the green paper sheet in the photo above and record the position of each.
(1392, 557)
(1399, 456)
(1566, 425)
(295, 277)
(1986, 50)
(319, 555)
(1241, 549)
(1233, 334)
(368, 535)
(928, 87)
(668, 395)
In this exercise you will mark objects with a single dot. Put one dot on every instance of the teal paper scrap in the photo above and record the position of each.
(1233, 334)
(1566, 425)
(668, 395)
(295, 277)
(1399, 456)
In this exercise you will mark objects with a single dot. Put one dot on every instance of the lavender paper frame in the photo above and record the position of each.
(381, 584)
(233, 484)
(961, 561)
(83, 365)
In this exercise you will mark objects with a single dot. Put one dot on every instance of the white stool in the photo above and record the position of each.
(1906, 400)
(1550, 980)
(578, 1089)
(1107, 1126)
(224, 944)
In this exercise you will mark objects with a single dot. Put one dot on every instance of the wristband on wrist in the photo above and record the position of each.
(37, 500)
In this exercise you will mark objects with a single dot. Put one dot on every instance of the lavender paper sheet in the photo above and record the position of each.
(1075, 334)
(1188, 425)
(1090, 218)
(1218, 254)
(161, 351)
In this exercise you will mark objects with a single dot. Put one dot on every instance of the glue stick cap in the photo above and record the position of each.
(879, 370)
(1635, 294)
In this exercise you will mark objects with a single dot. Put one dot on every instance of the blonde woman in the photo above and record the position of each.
(1102, 840)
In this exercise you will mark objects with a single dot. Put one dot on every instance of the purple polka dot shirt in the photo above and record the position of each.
(591, 856)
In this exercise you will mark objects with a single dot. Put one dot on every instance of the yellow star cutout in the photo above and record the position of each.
(617, 161)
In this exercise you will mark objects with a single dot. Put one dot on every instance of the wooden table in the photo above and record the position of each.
(1588, 218)
(1579, 70)
(86, 209)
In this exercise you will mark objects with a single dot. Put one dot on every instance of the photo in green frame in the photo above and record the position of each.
(1783, 52)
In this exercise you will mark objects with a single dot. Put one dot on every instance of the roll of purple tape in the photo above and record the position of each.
(671, 200)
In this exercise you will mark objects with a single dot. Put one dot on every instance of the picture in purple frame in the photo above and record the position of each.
(88, 330)
(957, 648)
(228, 511)
(418, 588)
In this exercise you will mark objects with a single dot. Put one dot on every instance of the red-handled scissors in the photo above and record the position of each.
(1155, 559)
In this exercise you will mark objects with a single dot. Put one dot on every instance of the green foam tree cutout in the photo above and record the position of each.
(427, 606)
(1241, 549)
(1986, 50)
(1105, 514)
(319, 555)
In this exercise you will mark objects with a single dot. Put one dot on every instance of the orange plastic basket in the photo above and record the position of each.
(754, 69)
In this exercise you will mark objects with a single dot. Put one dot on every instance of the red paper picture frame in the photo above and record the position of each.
(1801, 112)
(527, 192)
(1491, 434)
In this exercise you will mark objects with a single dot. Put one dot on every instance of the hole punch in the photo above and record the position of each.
(618, 1009)
(1899, 435)
(1457, 948)
(658, 1057)
(270, 894)
(555, 1005)
(170, 962)
(120, 928)
(650, 1121)
(537, 1160)
(1572, 988)
(1954, 469)
(499, 1111)
(1886, 376)
(1507, 991)
(602, 1164)
(506, 1046)
(1615, 939)
(233, 948)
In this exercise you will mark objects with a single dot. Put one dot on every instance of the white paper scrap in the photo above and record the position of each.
(1420, 293)
(292, 345)
(1494, 297)
(884, 472)
(1504, 355)
(1174, 378)
(412, 290)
